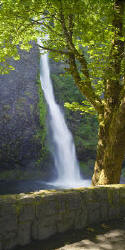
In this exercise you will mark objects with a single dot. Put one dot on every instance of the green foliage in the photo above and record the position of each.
(41, 105)
(88, 23)
(15, 29)
(85, 127)
(87, 132)
(87, 168)
(67, 91)
(65, 88)
(85, 108)
(42, 132)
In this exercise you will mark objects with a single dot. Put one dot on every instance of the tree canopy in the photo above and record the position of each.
(82, 29)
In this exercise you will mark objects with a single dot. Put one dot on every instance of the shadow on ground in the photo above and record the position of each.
(110, 235)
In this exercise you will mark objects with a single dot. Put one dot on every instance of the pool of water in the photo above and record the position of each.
(23, 186)
(26, 186)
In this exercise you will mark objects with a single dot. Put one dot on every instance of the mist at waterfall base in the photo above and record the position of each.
(63, 150)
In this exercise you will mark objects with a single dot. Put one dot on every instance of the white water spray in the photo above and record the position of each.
(64, 155)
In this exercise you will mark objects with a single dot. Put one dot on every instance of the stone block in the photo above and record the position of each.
(103, 209)
(8, 225)
(95, 195)
(122, 210)
(46, 231)
(80, 219)
(7, 210)
(26, 212)
(8, 219)
(101, 193)
(24, 233)
(0, 242)
(98, 194)
(114, 212)
(116, 196)
(46, 207)
(113, 196)
(93, 209)
(122, 194)
(61, 204)
(43, 229)
(65, 221)
(73, 201)
(9, 235)
(9, 243)
(34, 229)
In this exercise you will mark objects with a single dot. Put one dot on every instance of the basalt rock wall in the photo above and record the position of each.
(39, 215)
(22, 134)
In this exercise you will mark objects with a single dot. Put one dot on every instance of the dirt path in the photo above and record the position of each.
(114, 239)
(106, 236)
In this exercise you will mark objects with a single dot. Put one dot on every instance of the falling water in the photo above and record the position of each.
(68, 173)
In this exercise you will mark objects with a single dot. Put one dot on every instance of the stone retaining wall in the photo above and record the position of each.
(39, 215)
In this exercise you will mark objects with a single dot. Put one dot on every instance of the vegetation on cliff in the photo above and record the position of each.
(42, 132)
(83, 127)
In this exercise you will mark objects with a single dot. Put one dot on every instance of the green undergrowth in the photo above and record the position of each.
(41, 133)
(87, 168)
(84, 127)
(21, 174)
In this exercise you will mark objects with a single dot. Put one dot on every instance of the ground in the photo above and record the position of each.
(106, 236)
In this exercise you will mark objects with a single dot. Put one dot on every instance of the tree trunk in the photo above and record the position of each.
(110, 152)
(111, 143)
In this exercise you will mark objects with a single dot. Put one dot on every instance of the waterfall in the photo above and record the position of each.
(68, 172)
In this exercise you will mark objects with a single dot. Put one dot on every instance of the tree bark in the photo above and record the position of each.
(110, 150)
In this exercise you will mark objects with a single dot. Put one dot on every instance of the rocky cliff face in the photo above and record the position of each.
(21, 130)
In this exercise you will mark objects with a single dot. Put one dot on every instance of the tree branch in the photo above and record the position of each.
(84, 86)
(71, 25)
(63, 52)
(86, 90)
(68, 36)
(42, 23)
